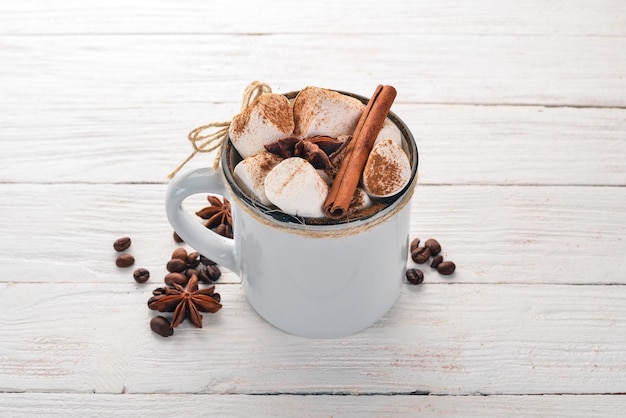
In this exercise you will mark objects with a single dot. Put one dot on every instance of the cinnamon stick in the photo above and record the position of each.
(365, 133)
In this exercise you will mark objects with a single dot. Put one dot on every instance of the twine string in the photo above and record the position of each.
(201, 141)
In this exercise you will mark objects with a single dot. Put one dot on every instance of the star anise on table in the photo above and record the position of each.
(314, 149)
(185, 302)
(218, 216)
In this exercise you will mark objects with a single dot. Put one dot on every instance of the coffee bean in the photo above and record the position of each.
(155, 297)
(158, 291)
(201, 272)
(161, 325)
(433, 245)
(436, 261)
(125, 260)
(176, 265)
(224, 230)
(180, 253)
(420, 255)
(178, 278)
(206, 261)
(121, 244)
(446, 268)
(193, 259)
(177, 237)
(213, 272)
(190, 272)
(141, 275)
(415, 276)
(414, 244)
(194, 255)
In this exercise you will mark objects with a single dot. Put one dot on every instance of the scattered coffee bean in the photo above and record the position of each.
(176, 265)
(415, 276)
(207, 261)
(121, 244)
(177, 237)
(436, 261)
(201, 272)
(213, 272)
(141, 275)
(420, 255)
(158, 291)
(224, 230)
(446, 268)
(178, 278)
(180, 253)
(414, 244)
(193, 259)
(161, 325)
(433, 245)
(125, 260)
(181, 267)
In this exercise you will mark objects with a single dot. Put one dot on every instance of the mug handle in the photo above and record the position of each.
(214, 246)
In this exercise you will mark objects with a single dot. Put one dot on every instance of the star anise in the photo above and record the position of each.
(185, 302)
(314, 149)
(217, 214)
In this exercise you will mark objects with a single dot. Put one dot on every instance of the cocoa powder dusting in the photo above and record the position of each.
(305, 107)
(273, 108)
(383, 175)
(266, 162)
(240, 121)
(365, 212)
(357, 200)
(276, 109)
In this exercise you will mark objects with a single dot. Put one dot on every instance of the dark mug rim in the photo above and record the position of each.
(230, 157)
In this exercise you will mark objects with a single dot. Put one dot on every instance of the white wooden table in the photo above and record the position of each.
(519, 113)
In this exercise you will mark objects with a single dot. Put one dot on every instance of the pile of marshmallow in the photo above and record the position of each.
(294, 185)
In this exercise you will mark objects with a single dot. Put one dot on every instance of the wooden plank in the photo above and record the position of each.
(604, 17)
(73, 240)
(65, 232)
(199, 405)
(439, 339)
(457, 144)
(512, 145)
(136, 70)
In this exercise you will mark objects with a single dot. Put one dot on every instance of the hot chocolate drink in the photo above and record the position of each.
(320, 156)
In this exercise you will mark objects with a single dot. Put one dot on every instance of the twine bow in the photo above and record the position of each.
(208, 142)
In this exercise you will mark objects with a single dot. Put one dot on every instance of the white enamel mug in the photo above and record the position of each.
(317, 281)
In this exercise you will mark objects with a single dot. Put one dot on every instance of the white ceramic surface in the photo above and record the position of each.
(307, 286)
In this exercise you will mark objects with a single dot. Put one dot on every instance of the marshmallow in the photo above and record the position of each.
(251, 172)
(319, 111)
(324, 174)
(389, 131)
(268, 118)
(387, 170)
(360, 200)
(296, 188)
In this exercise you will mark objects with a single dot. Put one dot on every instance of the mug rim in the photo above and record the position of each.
(283, 219)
